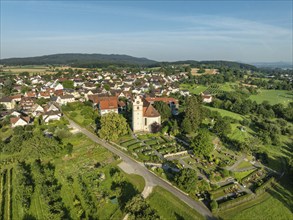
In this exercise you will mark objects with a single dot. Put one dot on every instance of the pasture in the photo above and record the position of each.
(224, 113)
(273, 96)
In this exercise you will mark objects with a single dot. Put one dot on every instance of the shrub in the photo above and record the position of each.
(214, 205)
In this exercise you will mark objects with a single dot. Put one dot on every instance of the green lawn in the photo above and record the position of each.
(239, 135)
(136, 180)
(195, 89)
(169, 207)
(243, 164)
(241, 175)
(226, 113)
(273, 96)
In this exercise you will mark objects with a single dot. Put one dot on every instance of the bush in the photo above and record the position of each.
(214, 205)
(73, 114)
(265, 186)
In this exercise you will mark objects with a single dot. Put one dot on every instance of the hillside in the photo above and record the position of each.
(78, 59)
(101, 60)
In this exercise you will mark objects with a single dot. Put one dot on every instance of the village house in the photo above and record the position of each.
(206, 97)
(51, 116)
(144, 115)
(36, 110)
(27, 102)
(107, 104)
(45, 95)
(19, 121)
(64, 99)
(30, 94)
(8, 103)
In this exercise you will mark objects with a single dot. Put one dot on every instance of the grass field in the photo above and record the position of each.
(194, 89)
(169, 207)
(273, 96)
(239, 135)
(226, 113)
(241, 175)
(269, 209)
(136, 180)
(243, 164)
(35, 69)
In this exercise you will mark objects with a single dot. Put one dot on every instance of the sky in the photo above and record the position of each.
(246, 31)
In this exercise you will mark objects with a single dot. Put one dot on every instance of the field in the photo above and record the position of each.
(35, 69)
(266, 207)
(169, 207)
(226, 113)
(194, 89)
(194, 72)
(273, 96)
(213, 89)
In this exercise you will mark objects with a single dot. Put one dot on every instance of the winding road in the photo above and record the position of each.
(150, 178)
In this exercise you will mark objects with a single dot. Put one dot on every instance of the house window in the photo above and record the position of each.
(137, 107)
(145, 121)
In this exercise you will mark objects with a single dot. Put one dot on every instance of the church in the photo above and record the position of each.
(144, 115)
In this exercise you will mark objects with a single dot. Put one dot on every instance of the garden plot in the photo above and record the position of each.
(154, 145)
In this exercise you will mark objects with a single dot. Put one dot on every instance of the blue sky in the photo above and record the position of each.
(247, 31)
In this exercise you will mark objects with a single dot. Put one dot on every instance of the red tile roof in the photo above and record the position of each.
(150, 111)
(108, 103)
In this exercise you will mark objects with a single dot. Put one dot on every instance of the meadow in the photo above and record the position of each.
(264, 207)
(169, 207)
(273, 96)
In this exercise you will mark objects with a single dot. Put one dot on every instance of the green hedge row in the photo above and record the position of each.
(265, 186)
(236, 201)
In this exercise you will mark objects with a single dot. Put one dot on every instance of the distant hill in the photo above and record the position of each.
(282, 65)
(102, 60)
(215, 64)
(79, 59)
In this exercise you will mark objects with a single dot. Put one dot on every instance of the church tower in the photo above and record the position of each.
(137, 114)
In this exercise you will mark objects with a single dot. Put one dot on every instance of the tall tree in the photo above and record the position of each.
(138, 208)
(193, 114)
(163, 109)
(186, 179)
(202, 143)
(222, 127)
(113, 126)
(68, 84)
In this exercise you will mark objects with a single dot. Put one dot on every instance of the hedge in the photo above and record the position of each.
(234, 202)
(264, 186)
(222, 188)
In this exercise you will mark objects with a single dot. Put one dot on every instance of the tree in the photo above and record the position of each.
(222, 127)
(113, 126)
(193, 114)
(163, 109)
(39, 146)
(155, 127)
(68, 84)
(186, 179)
(202, 143)
(174, 129)
(138, 208)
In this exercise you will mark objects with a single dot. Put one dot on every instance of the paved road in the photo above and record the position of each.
(149, 176)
